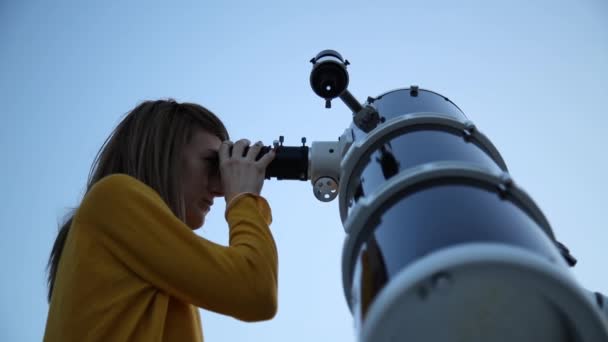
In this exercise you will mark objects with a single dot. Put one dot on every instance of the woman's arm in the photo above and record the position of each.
(131, 220)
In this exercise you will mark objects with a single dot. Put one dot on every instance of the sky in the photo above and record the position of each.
(532, 75)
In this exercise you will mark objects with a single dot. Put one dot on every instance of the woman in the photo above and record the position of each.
(127, 265)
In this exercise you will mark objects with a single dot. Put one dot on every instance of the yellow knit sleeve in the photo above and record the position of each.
(132, 221)
(261, 203)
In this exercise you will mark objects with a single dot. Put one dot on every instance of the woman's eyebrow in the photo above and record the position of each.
(210, 153)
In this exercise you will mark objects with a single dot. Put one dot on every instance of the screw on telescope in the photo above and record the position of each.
(565, 252)
(469, 129)
(414, 90)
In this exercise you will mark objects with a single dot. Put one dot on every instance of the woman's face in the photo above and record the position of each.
(200, 178)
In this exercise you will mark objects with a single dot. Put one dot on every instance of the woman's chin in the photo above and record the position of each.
(200, 223)
(195, 222)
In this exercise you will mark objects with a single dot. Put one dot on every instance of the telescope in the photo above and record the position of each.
(441, 244)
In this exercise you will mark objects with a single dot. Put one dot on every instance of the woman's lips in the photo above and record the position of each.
(206, 206)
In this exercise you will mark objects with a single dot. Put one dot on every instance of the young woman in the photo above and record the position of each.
(127, 265)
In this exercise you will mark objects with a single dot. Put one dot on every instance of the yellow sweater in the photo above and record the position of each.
(132, 271)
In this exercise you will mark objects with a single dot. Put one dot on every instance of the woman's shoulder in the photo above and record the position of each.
(117, 188)
(119, 182)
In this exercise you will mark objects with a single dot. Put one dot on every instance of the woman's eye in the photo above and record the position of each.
(213, 163)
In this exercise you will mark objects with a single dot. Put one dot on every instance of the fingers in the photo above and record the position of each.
(267, 158)
(254, 150)
(238, 148)
(240, 172)
(224, 150)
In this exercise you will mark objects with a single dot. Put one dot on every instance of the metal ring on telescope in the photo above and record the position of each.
(532, 231)
(483, 292)
(476, 148)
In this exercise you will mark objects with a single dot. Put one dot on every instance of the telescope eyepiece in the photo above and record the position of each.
(328, 78)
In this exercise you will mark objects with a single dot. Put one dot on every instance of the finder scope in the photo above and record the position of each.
(329, 78)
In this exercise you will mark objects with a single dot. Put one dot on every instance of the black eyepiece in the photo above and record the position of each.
(290, 162)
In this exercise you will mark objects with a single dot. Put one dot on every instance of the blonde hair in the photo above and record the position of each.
(146, 145)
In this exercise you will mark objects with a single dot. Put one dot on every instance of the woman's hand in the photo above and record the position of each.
(241, 172)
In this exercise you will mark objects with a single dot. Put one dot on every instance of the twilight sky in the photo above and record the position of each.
(532, 75)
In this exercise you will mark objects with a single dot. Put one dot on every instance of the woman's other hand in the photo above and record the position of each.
(240, 171)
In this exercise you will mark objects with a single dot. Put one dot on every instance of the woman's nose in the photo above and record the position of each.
(215, 185)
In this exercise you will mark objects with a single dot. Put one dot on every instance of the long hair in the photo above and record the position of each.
(146, 145)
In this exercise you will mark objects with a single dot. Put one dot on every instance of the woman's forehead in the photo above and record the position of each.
(204, 136)
(205, 140)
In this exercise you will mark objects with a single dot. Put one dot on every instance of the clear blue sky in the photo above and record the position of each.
(533, 76)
